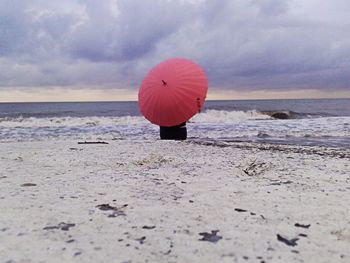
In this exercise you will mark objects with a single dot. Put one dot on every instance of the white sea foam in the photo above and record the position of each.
(221, 116)
(69, 121)
(12, 129)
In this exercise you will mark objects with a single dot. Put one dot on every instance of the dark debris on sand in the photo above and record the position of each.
(210, 237)
(256, 168)
(62, 226)
(240, 210)
(148, 227)
(97, 142)
(28, 184)
(302, 225)
(289, 242)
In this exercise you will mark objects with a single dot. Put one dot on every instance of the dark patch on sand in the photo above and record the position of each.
(141, 239)
(280, 183)
(115, 210)
(210, 237)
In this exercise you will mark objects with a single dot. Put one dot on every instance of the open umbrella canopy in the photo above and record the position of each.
(172, 92)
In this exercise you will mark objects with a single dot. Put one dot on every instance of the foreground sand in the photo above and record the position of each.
(153, 201)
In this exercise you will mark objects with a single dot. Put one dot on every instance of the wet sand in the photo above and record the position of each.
(165, 201)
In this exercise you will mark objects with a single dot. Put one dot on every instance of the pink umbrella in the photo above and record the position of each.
(173, 92)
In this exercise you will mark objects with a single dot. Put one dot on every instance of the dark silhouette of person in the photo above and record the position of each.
(178, 132)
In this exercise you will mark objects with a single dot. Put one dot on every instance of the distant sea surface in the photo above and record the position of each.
(323, 122)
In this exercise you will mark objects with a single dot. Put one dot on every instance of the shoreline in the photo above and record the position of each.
(339, 152)
(168, 201)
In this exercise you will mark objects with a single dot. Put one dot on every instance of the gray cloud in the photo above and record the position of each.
(250, 45)
(129, 35)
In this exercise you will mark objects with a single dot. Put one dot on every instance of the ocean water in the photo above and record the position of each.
(323, 122)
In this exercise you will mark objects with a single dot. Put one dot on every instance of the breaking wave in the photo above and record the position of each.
(209, 116)
(249, 125)
(223, 116)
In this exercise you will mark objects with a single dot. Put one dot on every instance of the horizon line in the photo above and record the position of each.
(94, 101)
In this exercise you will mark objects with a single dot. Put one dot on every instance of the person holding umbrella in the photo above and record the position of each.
(178, 132)
(172, 93)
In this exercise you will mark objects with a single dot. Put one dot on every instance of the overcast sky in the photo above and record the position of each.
(243, 45)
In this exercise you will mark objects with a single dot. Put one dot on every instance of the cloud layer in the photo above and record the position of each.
(241, 44)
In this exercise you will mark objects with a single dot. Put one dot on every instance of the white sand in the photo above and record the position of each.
(178, 189)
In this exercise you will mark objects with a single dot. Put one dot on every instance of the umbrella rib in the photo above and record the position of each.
(156, 109)
(147, 99)
(176, 99)
(185, 106)
(187, 92)
(151, 100)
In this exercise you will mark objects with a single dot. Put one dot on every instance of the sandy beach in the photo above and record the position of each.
(174, 131)
(168, 201)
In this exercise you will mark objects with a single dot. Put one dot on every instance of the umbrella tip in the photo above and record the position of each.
(164, 83)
